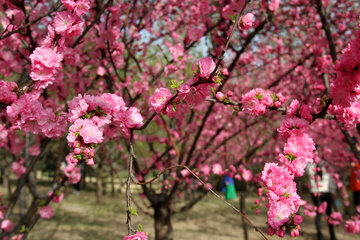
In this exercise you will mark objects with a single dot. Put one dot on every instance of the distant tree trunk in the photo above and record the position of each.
(243, 210)
(6, 179)
(112, 182)
(163, 225)
(99, 184)
(83, 179)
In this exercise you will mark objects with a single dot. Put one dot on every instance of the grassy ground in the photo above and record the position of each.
(78, 217)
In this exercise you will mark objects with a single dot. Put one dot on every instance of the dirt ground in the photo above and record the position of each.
(78, 217)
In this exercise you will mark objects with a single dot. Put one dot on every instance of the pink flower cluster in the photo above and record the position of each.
(46, 212)
(246, 21)
(273, 5)
(6, 225)
(7, 93)
(160, 98)
(80, 7)
(257, 100)
(67, 24)
(90, 117)
(28, 114)
(203, 67)
(349, 116)
(353, 225)
(335, 218)
(57, 197)
(284, 202)
(18, 168)
(196, 89)
(137, 236)
(345, 89)
(45, 62)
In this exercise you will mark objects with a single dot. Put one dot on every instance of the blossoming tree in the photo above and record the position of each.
(185, 89)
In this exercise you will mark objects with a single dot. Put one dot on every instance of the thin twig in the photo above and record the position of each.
(128, 183)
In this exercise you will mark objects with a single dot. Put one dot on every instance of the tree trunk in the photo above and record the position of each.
(112, 183)
(6, 180)
(163, 226)
(99, 183)
(242, 209)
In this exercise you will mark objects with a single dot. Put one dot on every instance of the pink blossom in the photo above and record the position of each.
(295, 231)
(274, 5)
(280, 232)
(63, 21)
(77, 108)
(246, 21)
(46, 212)
(335, 218)
(256, 101)
(160, 98)
(217, 169)
(297, 219)
(305, 113)
(34, 150)
(7, 93)
(116, 102)
(291, 126)
(6, 225)
(191, 95)
(227, 12)
(246, 174)
(44, 63)
(137, 236)
(82, 7)
(177, 51)
(184, 173)
(300, 145)
(18, 169)
(220, 96)
(292, 109)
(203, 67)
(270, 231)
(73, 174)
(57, 197)
(90, 132)
(279, 213)
(44, 57)
(133, 118)
(322, 208)
(353, 225)
(206, 170)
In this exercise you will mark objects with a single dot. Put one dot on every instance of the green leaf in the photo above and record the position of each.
(233, 17)
(140, 228)
(174, 107)
(286, 194)
(259, 96)
(23, 229)
(274, 97)
(213, 91)
(291, 157)
(86, 115)
(41, 203)
(133, 211)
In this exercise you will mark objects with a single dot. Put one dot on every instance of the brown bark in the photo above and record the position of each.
(99, 184)
(242, 209)
(112, 182)
(163, 225)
